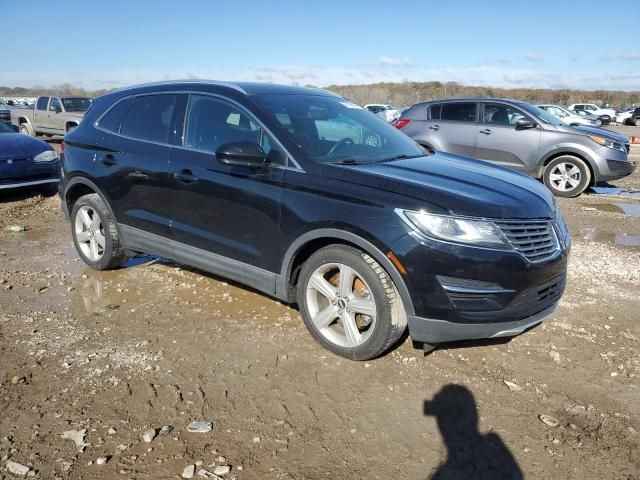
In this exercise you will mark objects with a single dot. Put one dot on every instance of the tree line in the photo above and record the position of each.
(407, 93)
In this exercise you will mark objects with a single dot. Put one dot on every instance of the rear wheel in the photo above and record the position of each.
(26, 129)
(349, 303)
(95, 234)
(598, 122)
(567, 176)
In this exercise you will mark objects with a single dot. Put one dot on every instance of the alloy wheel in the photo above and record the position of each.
(565, 177)
(90, 233)
(341, 305)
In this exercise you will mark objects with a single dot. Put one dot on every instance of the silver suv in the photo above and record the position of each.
(523, 137)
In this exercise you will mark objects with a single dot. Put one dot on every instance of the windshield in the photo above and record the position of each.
(332, 129)
(540, 114)
(76, 104)
(4, 128)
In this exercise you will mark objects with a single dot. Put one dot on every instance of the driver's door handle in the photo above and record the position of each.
(185, 176)
(486, 131)
(434, 127)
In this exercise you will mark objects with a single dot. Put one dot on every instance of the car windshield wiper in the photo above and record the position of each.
(347, 161)
(398, 157)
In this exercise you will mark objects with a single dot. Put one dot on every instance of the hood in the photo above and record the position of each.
(601, 132)
(460, 185)
(18, 145)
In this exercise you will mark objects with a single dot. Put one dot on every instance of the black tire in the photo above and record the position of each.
(598, 122)
(114, 253)
(26, 129)
(71, 128)
(606, 119)
(561, 188)
(390, 321)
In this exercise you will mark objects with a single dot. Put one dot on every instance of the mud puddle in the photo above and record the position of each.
(622, 239)
(615, 191)
(631, 209)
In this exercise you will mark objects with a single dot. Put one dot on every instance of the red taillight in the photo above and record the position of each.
(62, 146)
(402, 122)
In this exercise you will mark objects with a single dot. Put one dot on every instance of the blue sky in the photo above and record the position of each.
(100, 44)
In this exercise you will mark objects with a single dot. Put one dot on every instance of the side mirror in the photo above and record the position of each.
(525, 123)
(55, 109)
(249, 154)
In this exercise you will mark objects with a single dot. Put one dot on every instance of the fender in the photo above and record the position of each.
(282, 281)
(568, 149)
(83, 181)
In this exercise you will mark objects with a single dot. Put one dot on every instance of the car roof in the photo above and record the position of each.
(248, 88)
(476, 99)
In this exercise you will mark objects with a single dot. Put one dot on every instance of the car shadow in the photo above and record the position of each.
(470, 454)
(20, 194)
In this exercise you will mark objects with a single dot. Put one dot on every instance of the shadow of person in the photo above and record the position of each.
(470, 454)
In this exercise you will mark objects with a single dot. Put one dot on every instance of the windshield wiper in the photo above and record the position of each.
(347, 161)
(398, 157)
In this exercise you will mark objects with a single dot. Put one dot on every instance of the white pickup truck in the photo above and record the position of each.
(51, 115)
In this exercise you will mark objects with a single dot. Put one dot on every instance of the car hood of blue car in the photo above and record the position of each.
(17, 145)
(461, 185)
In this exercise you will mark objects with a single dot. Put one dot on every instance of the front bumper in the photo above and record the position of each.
(612, 165)
(431, 330)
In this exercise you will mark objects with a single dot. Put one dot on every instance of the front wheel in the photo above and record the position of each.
(26, 129)
(349, 303)
(95, 234)
(567, 176)
(598, 122)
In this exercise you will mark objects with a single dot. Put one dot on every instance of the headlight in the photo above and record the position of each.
(605, 142)
(468, 231)
(46, 156)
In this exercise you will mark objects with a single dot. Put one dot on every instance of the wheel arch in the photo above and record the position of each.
(69, 124)
(76, 188)
(591, 164)
(305, 245)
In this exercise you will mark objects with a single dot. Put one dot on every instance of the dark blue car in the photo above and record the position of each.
(26, 161)
(309, 198)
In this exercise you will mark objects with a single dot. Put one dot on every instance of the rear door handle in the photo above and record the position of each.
(486, 131)
(109, 160)
(185, 176)
(434, 127)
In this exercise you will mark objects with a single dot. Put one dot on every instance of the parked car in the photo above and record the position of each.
(604, 119)
(623, 115)
(522, 137)
(280, 188)
(386, 112)
(26, 162)
(5, 112)
(55, 115)
(604, 113)
(634, 118)
(571, 118)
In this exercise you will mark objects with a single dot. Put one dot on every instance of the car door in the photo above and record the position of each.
(132, 162)
(452, 127)
(55, 116)
(228, 215)
(502, 141)
(40, 114)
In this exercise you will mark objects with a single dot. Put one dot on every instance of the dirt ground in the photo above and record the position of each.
(158, 344)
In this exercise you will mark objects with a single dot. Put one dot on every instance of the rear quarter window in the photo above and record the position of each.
(149, 118)
(113, 118)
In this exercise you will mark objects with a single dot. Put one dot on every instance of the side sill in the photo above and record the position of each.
(139, 240)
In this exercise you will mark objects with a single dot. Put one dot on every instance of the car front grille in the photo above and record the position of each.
(535, 240)
(551, 290)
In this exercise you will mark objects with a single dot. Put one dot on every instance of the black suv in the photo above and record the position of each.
(311, 199)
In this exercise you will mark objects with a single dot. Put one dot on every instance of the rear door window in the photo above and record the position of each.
(435, 111)
(149, 118)
(459, 112)
(42, 103)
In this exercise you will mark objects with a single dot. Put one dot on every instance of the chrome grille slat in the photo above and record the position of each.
(535, 240)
